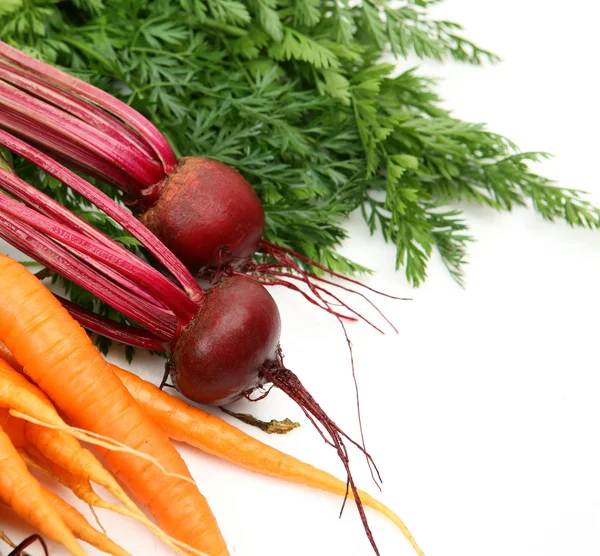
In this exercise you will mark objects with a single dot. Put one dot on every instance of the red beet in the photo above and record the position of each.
(219, 356)
(206, 213)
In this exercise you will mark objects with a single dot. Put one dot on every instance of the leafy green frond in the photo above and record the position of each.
(269, 19)
(293, 94)
(450, 233)
(93, 7)
(10, 6)
(298, 46)
(307, 12)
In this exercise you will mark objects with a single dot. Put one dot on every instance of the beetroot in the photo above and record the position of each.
(219, 357)
(206, 213)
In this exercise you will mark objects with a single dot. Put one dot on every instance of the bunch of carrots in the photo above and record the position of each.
(128, 420)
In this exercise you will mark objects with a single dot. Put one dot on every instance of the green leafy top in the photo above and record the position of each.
(294, 95)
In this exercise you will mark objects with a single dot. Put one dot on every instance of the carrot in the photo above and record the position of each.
(16, 392)
(7, 356)
(215, 436)
(20, 490)
(56, 354)
(82, 488)
(81, 528)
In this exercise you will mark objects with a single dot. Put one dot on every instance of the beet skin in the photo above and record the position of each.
(207, 214)
(219, 356)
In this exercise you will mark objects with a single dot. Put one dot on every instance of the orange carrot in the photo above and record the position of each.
(215, 436)
(82, 488)
(7, 356)
(16, 392)
(81, 528)
(20, 491)
(56, 354)
(78, 525)
(211, 434)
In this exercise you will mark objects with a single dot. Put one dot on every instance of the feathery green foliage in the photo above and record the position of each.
(294, 95)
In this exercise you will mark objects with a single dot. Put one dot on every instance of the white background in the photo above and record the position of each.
(483, 412)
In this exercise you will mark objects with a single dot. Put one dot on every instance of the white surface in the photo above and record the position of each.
(483, 413)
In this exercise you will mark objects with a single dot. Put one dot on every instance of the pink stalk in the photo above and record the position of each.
(142, 169)
(132, 267)
(72, 104)
(71, 153)
(116, 276)
(44, 205)
(119, 109)
(109, 328)
(47, 252)
(115, 211)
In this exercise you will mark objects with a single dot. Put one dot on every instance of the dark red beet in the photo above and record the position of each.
(206, 213)
(219, 356)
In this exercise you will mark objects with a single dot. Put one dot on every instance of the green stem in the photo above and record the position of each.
(226, 28)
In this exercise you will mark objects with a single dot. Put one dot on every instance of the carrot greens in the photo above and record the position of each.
(294, 95)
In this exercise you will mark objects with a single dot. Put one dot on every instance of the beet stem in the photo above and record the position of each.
(83, 110)
(68, 151)
(111, 208)
(109, 328)
(72, 104)
(62, 150)
(124, 263)
(44, 250)
(119, 109)
(142, 169)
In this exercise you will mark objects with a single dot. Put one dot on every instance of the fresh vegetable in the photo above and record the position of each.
(20, 490)
(299, 97)
(55, 351)
(17, 393)
(223, 344)
(34, 428)
(204, 211)
(210, 434)
(81, 528)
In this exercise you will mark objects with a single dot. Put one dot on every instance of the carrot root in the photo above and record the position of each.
(5, 539)
(82, 529)
(100, 440)
(84, 491)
